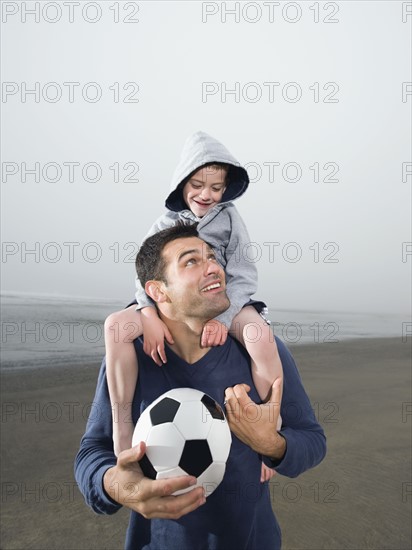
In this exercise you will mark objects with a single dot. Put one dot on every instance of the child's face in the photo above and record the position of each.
(205, 189)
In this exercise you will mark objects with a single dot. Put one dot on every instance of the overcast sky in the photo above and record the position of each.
(315, 98)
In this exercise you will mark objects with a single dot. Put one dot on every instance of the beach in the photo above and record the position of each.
(359, 497)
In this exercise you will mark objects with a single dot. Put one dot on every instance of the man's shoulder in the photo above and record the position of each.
(234, 348)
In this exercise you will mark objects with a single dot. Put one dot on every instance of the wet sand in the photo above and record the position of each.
(358, 498)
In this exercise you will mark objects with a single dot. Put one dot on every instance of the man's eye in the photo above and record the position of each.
(212, 257)
(191, 261)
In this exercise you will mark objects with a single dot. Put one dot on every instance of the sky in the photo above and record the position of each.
(313, 97)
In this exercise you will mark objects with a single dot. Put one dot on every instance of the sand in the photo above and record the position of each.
(358, 498)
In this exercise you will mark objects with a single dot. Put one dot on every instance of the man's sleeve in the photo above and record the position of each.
(96, 451)
(305, 439)
(241, 273)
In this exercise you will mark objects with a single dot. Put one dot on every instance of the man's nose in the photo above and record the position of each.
(212, 267)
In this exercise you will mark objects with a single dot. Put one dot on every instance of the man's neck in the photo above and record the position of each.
(186, 337)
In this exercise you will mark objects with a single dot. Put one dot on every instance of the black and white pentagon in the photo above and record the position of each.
(164, 411)
(196, 457)
(213, 407)
(147, 467)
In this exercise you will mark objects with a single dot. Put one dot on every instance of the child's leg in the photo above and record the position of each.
(255, 334)
(120, 329)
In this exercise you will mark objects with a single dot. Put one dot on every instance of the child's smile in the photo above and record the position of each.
(205, 189)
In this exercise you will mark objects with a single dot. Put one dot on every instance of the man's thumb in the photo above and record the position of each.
(131, 456)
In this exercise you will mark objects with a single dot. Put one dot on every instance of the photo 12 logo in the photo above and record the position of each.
(69, 172)
(69, 92)
(270, 12)
(269, 92)
(69, 12)
(69, 251)
(292, 172)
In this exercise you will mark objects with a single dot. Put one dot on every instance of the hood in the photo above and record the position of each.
(198, 150)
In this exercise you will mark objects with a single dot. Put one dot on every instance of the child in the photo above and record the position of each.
(205, 182)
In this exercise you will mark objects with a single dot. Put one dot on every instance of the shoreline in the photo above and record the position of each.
(8, 367)
(358, 498)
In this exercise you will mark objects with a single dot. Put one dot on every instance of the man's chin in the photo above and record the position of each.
(221, 305)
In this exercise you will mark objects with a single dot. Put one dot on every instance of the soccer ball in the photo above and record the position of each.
(186, 433)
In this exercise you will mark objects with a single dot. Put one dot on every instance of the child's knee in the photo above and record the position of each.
(111, 322)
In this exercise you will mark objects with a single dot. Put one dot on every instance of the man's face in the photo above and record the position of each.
(195, 285)
(205, 189)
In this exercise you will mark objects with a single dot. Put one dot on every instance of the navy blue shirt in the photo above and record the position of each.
(238, 514)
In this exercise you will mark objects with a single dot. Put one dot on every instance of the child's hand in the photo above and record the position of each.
(266, 473)
(154, 334)
(214, 334)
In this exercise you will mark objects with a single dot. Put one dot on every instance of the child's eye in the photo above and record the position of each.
(216, 189)
(196, 186)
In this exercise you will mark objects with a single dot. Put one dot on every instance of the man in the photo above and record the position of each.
(180, 273)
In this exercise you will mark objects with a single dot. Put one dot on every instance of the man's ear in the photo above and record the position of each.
(155, 290)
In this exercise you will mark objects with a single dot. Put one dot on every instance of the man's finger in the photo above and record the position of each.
(229, 394)
(241, 393)
(233, 393)
(277, 390)
(232, 405)
(173, 507)
(165, 487)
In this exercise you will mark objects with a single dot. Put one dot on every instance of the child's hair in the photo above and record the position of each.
(211, 165)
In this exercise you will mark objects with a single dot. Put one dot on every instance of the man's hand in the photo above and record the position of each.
(214, 334)
(126, 484)
(254, 424)
(154, 333)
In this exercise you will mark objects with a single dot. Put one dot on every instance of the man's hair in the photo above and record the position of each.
(150, 264)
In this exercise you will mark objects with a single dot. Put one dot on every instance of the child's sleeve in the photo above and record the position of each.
(241, 272)
(142, 299)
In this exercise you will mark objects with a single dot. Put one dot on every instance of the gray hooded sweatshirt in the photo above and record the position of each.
(221, 227)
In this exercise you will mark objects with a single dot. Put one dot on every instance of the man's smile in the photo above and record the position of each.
(211, 287)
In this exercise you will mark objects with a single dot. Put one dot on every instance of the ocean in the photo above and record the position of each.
(40, 330)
